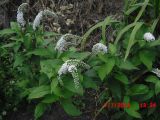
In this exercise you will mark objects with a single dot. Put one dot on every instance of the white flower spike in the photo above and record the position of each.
(40, 15)
(61, 44)
(20, 14)
(149, 37)
(37, 20)
(156, 71)
(70, 66)
(99, 48)
(20, 19)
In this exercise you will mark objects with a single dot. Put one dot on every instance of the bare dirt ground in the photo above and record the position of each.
(75, 16)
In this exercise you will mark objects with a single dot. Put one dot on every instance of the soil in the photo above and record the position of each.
(76, 17)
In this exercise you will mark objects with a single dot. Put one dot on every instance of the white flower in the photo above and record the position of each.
(99, 47)
(61, 44)
(73, 70)
(41, 14)
(20, 14)
(156, 71)
(149, 37)
(70, 66)
(37, 20)
(20, 19)
(66, 41)
(63, 69)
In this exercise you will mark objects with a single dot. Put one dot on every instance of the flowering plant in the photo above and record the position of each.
(59, 72)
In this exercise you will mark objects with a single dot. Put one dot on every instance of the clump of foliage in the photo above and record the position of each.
(49, 72)
(8, 91)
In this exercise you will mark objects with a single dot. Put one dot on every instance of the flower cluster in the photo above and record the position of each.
(40, 15)
(149, 37)
(61, 44)
(70, 66)
(99, 48)
(66, 41)
(156, 71)
(20, 14)
(37, 20)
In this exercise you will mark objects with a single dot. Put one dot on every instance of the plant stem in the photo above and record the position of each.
(139, 76)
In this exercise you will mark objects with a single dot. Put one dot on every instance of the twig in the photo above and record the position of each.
(99, 111)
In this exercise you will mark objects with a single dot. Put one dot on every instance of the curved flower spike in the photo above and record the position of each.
(66, 41)
(20, 14)
(71, 66)
(40, 16)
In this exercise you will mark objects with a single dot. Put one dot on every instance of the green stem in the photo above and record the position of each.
(139, 76)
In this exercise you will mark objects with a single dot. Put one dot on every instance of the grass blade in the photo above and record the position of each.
(86, 35)
(105, 23)
(132, 38)
(123, 31)
(142, 10)
(153, 27)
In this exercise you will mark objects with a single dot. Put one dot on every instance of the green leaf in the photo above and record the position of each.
(122, 78)
(147, 96)
(15, 26)
(106, 22)
(126, 99)
(154, 25)
(154, 43)
(106, 68)
(133, 113)
(49, 34)
(138, 89)
(80, 56)
(157, 88)
(70, 108)
(6, 32)
(147, 58)
(89, 83)
(54, 84)
(41, 52)
(124, 30)
(98, 25)
(58, 91)
(50, 98)
(115, 88)
(27, 40)
(39, 92)
(131, 10)
(142, 10)
(49, 66)
(112, 49)
(132, 110)
(40, 109)
(152, 79)
(9, 45)
(86, 35)
(127, 65)
(18, 60)
(132, 38)
(69, 85)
